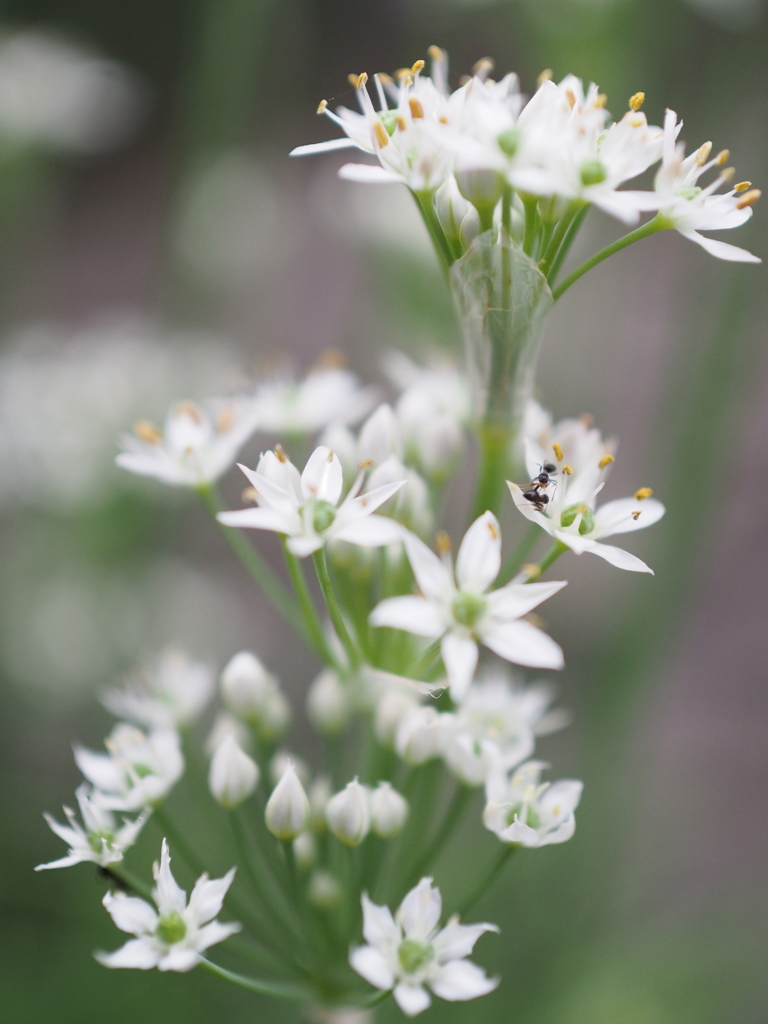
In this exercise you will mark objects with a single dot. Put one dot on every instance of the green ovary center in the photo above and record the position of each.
(525, 813)
(389, 119)
(568, 517)
(323, 514)
(689, 191)
(509, 141)
(171, 928)
(414, 955)
(593, 172)
(97, 840)
(468, 608)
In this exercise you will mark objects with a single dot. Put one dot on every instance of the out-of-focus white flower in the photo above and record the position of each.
(389, 811)
(326, 395)
(458, 608)
(224, 725)
(287, 810)
(421, 734)
(324, 890)
(253, 694)
(525, 812)
(319, 792)
(329, 702)
(171, 694)
(408, 954)
(233, 775)
(173, 936)
(58, 93)
(198, 444)
(100, 841)
(305, 850)
(282, 761)
(139, 769)
(305, 507)
(348, 814)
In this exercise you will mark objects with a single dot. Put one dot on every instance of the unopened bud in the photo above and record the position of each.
(287, 810)
(233, 776)
(324, 891)
(305, 850)
(389, 811)
(328, 703)
(254, 694)
(348, 814)
(320, 793)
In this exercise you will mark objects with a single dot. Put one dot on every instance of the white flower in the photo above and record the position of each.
(197, 445)
(460, 610)
(389, 811)
(254, 694)
(305, 508)
(287, 810)
(407, 953)
(173, 936)
(348, 814)
(329, 702)
(138, 770)
(421, 734)
(326, 395)
(523, 811)
(100, 841)
(568, 513)
(171, 694)
(233, 775)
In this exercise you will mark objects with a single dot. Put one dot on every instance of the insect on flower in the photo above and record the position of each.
(536, 491)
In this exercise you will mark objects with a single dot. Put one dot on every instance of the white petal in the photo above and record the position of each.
(304, 545)
(460, 660)
(456, 940)
(524, 644)
(215, 932)
(462, 980)
(323, 476)
(207, 897)
(378, 924)
(322, 147)
(257, 519)
(368, 174)
(168, 894)
(517, 599)
(420, 911)
(618, 516)
(373, 966)
(619, 557)
(479, 559)
(372, 532)
(411, 999)
(412, 614)
(179, 958)
(722, 250)
(131, 914)
(138, 953)
(366, 503)
(430, 571)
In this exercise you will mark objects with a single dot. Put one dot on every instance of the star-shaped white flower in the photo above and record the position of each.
(305, 507)
(407, 954)
(458, 607)
(171, 694)
(197, 446)
(523, 811)
(173, 936)
(101, 841)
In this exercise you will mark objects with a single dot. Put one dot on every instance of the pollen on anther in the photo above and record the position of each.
(280, 453)
(365, 464)
(417, 67)
(637, 122)
(636, 100)
(435, 53)
(493, 531)
(249, 494)
(226, 419)
(330, 455)
(148, 432)
(748, 198)
(545, 76)
(703, 152)
(600, 100)
(322, 106)
(570, 95)
(558, 451)
(723, 157)
(643, 493)
(381, 134)
(606, 460)
(189, 409)
(567, 470)
(402, 124)
(482, 67)
(531, 570)
(742, 186)
(443, 542)
(417, 110)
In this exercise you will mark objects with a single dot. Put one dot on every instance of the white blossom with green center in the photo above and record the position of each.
(526, 812)
(408, 954)
(172, 935)
(458, 607)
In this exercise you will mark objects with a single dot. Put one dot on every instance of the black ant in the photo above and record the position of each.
(535, 492)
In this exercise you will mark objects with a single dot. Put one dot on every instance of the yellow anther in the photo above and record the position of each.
(330, 456)
(148, 432)
(749, 198)
(402, 73)
(637, 122)
(330, 359)
(567, 470)
(402, 124)
(226, 419)
(443, 542)
(384, 78)
(587, 419)
(570, 95)
(606, 460)
(189, 409)
(742, 186)
(636, 100)
(417, 67)
(322, 106)
(382, 138)
(493, 531)
(643, 493)
(600, 100)
(482, 67)
(545, 76)
(249, 494)
(728, 173)
(443, 119)
(280, 453)
(365, 464)
(464, 79)
(703, 152)
(417, 110)
(558, 451)
(435, 53)
(723, 157)
(531, 570)
(358, 80)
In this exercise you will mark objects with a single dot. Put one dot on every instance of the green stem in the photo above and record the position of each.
(485, 883)
(562, 252)
(532, 223)
(312, 623)
(558, 238)
(495, 445)
(436, 233)
(657, 224)
(273, 589)
(321, 568)
(279, 990)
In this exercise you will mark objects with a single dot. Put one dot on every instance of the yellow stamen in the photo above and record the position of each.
(330, 455)
(417, 110)
(280, 453)
(443, 120)
(483, 66)
(558, 451)
(643, 493)
(703, 153)
(636, 100)
(443, 542)
(493, 531)
(749, 198)
(226, 419)
(384, 78)
(402, 73)
(723, 157)
(435, 53)
(322, 106)
(381, 134)
(742, 186)
(545, 76)
(606, 460)
(600, 100)
(358, 81)
(567, 470)
(402, 124)
(417, 67)
(249, 494)
(531, 570)
(148, 432)
(365, 464)
(189, 409)
(570, 95)
(587, 419)
(330, 359)
(728, 173)
(637, 122)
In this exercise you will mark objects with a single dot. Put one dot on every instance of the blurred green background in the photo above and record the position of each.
(189, 250)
